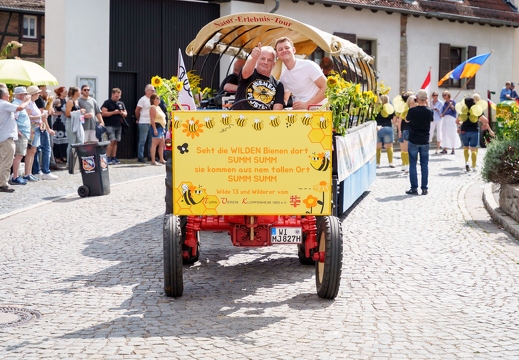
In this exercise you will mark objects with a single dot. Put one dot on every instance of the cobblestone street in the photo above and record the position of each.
(424, 277)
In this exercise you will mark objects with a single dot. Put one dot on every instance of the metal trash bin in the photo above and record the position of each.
(93, 165)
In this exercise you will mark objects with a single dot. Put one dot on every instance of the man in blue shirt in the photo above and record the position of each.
(513, 93)
(506, 92)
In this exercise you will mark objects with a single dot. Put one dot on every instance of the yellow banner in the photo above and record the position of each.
(252, 162)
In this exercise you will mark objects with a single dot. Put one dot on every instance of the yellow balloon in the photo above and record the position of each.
(384, 113)
(399, 104)
(459, 106)
(389, 108)
(483, 104)
(473, 118)
(476, 110)
(463, 117)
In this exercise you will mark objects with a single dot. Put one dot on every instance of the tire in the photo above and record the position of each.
(83, 191)
(169, 184)
(172, 239)
(192, 259)
(328, 273)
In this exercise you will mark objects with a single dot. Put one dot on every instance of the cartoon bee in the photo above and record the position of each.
(262, 93)
(242, 121)
(192, 127)
(189, 191)
(307, 119)
(226, 119)
(323, 123)
(258, 124)
(209, 123)
(321, 161)
(177, 122)
(291, 118)
(274, 121)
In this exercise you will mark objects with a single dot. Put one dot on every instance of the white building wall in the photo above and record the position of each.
(77, 41)
(424, 37)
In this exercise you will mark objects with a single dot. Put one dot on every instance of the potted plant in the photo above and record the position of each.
(501, 162)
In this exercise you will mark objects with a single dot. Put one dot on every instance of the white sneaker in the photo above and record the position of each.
(49, 176)
(378, 165)
(391, 165)
(474, 169)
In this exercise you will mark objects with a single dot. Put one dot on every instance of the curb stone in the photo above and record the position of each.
(507, 222)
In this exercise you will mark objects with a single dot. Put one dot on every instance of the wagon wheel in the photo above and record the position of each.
(172, 239)
(190, 259)
(329, 266)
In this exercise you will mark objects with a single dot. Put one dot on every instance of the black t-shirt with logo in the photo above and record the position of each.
(116, 119)
(267, 90)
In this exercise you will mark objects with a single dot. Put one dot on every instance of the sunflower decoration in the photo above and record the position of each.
(167, 90)
(471, 110)
(347, 99)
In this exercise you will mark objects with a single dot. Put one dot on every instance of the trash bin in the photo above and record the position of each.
(93, 165)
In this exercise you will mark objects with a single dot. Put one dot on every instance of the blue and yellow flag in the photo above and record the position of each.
(466, 69)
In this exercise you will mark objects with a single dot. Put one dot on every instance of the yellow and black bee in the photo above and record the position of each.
(241, 121)
(189, 191)
(262, 93)
(192, 127)
(291, 118)
(307, 119)
(177, 122)
(323, 123)
(274, 121)
(209, 123)
(258, 124)
(321, 161)
(226, 119)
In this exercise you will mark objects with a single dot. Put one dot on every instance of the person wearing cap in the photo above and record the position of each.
(39, 137)
(513, 93)
(8, 134)
(420, 118)
(24, 133)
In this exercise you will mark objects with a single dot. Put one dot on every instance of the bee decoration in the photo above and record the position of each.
(209, 123)
(192, 127)
(321, 161)
(274, 121)
(177, 122)
(183, 148)
(258, 124)
(291, 119)
(189, 191)
(307, 119)
(226, 119)
(323, 123)
(241, 121)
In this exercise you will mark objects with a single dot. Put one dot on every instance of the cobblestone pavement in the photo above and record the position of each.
(424, 277)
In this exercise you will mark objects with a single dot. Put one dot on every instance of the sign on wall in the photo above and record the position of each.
(252, 162)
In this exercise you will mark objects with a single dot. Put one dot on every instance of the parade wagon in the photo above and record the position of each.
(268, 177)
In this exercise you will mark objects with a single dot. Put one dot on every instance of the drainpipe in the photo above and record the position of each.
(275, 7)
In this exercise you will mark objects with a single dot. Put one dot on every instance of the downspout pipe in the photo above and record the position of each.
(275, 7)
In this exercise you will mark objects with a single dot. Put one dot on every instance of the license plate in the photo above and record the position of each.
(286, 235)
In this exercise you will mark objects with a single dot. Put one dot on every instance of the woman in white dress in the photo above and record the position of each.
(450, 137)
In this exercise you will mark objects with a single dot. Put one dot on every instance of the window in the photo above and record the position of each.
(29, 27)
(366, 45)
(450, 57)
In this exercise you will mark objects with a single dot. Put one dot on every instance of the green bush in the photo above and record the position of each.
(501, 162)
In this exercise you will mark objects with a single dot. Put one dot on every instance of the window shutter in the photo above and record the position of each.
(471, 52)
(445, 50)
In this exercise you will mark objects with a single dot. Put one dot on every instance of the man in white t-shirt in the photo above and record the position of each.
(303, 78)
(142, 114)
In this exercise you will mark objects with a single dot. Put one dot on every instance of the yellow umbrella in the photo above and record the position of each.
(21, 72)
